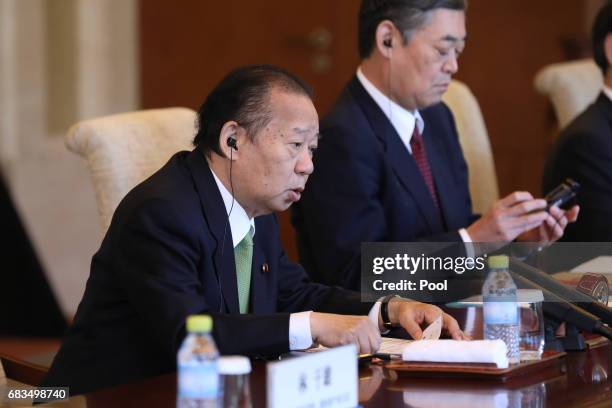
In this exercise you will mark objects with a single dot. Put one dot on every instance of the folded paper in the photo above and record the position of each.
(457, 351)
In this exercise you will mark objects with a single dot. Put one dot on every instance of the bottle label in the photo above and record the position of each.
(500, 310)
(198, 380)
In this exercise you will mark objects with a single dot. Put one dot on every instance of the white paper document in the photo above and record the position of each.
(390, 345)
(600, 264)
(433, 331)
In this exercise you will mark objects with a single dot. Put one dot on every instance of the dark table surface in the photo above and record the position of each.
(582, 379)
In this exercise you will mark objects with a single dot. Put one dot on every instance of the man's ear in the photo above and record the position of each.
(230, 138)
(385, 40)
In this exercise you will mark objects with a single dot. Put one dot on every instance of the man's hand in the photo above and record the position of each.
(334, 330)
(413, 315)
(553, 227)
(508, 218)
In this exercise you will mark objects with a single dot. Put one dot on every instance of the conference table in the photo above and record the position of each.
(581, 379)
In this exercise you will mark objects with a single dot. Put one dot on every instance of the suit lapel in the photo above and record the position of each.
(605, 105)
(216, 218)
(399, 158)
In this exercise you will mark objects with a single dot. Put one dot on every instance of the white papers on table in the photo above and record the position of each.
(390, 345)
(600, 264)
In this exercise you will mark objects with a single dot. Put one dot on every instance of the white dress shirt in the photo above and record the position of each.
(403, 121)
(300, 336)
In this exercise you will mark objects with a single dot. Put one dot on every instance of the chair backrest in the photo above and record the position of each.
(122, 150)
(22, 371)
(2, 374)
(571, 87)
(475, 144)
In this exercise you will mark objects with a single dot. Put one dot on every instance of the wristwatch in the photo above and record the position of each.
(594, 285)
(384, 311)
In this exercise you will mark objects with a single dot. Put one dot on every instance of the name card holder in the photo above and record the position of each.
(315, 380)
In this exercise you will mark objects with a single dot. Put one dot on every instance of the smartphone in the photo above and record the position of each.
(564, 195)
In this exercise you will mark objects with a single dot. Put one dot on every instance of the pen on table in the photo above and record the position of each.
(380, 356)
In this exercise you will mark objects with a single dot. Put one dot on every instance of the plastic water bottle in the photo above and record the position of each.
(198, 370)
(501, 317)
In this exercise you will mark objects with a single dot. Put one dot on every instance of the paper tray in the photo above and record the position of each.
(550, 360)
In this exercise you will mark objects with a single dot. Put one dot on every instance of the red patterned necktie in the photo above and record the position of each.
(420, 157)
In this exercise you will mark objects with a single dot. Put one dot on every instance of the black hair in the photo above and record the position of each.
(406, 15)
(601, 28)
(242, 96)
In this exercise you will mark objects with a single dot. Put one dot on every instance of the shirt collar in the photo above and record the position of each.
(402, 120)
(239, 221)
(608, 92)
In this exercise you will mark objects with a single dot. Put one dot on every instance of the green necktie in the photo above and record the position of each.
(243, 254)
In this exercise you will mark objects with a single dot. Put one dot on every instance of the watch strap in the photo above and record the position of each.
(384, 311)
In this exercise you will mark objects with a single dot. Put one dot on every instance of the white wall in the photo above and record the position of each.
(96, 75)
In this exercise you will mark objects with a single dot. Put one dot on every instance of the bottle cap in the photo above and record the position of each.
(199, 324)
(234, 365)
(499, 262)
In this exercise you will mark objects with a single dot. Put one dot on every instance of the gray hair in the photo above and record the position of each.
(407, 15)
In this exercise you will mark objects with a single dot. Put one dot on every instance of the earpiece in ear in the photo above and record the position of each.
(387, 43)
(231, 142)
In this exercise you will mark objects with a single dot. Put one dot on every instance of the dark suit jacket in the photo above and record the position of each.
(366, 187)
(584, 153)
(162, 260)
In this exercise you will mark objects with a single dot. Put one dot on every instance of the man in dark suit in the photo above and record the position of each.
(583, 150)
(199, 236)
(389, 165)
